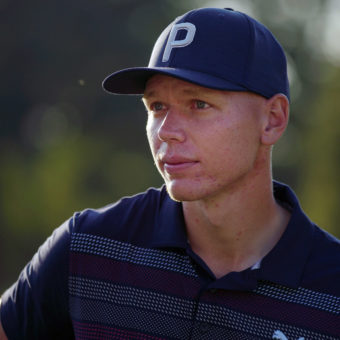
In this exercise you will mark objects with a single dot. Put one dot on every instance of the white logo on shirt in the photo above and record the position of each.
(278, 335)
(172, 43)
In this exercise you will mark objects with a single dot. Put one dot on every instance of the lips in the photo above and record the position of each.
(176, 164)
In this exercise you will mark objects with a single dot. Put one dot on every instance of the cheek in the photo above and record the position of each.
(232, 145)
(152, 134)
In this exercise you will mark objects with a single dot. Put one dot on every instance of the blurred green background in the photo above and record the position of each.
(67, 145)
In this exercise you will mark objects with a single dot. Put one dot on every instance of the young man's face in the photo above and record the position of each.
(203, 141)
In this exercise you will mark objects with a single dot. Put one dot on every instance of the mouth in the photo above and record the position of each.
(177, 165)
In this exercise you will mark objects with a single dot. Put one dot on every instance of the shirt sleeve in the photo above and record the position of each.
(36, 306)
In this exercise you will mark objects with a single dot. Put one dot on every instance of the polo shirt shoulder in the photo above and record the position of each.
(131, 219)
(306, 255)
(36, 305)
(322, 270)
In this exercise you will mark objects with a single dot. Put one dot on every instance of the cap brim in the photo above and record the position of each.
(133, 80)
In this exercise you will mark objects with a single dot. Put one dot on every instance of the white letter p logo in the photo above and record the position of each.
(172, 43)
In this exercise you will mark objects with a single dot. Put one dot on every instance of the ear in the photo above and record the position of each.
(275, 123)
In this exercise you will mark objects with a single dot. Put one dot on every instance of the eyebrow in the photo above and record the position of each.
(189, 91)
(148, 95)
(195, 92)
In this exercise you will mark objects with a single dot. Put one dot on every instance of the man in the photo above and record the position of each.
(221, 251)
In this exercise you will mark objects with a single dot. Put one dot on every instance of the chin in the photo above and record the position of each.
(181, 192)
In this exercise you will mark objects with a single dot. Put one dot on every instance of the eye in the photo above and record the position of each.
(157, 106)
(200, 104)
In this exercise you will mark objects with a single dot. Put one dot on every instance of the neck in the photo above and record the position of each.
(233, 231)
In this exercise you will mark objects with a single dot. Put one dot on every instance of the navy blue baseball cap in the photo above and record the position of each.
(216, 48)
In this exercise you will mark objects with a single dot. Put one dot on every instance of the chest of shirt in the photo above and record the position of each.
(120, 291)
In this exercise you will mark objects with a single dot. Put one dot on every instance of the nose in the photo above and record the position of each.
(171, 128)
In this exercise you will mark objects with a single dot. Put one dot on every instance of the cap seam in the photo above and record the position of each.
(248, 64)
(250, 50)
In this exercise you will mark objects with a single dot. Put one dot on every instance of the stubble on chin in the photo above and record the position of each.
(184, 193)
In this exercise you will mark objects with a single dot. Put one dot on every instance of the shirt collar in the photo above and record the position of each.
(286, 262)
(283, 265)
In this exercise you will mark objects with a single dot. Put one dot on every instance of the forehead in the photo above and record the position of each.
(159, 82)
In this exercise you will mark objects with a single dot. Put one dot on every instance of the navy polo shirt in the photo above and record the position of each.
(128, 272)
